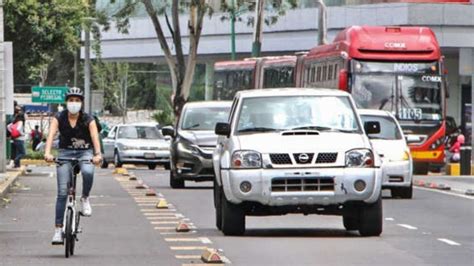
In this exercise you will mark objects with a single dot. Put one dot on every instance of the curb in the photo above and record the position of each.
(441, 186)
(11, 177)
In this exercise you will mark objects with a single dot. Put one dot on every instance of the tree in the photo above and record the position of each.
(38, 30)
(181, 69)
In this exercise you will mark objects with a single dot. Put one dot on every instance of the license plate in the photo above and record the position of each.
(149, 155)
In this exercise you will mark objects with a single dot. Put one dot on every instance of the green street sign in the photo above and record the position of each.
(48, 94)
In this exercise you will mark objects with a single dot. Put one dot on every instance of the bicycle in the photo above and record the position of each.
(71, 216)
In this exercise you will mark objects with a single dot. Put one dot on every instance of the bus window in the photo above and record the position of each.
(335, 71)
(330, 72)
(319, 74)
(324, 73)
(278, 77)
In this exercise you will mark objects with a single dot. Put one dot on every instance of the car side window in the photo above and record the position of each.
(112, 133)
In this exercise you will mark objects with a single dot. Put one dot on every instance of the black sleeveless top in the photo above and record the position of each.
(77, 138)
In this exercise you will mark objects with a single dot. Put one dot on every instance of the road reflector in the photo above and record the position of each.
(162, 204)
(140, 185)
(182, 227)
(150, 193)
(211, 255)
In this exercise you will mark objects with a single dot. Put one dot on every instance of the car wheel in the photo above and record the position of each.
(403, 192)
(370, 218)
(232, 218)
(167, 166)
(152, 166)
(104, 164)
(175, 181)
(217, 205)
(117, 161)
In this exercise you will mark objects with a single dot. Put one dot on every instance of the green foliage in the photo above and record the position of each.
(164, 117)
(38, 29)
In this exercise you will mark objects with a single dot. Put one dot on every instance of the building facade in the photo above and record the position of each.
(451, 20)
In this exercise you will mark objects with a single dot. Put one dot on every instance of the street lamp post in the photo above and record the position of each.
(232, 30)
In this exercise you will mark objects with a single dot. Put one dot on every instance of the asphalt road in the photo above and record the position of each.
(434, 228)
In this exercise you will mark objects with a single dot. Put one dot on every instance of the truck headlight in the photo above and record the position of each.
(188, 148)
(246, 159)
(359, 158)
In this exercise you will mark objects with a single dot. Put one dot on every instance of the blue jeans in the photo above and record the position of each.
(63, 173)
(19, 151)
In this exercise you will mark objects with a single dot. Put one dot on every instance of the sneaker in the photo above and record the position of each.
(86, 207)
(58, 237)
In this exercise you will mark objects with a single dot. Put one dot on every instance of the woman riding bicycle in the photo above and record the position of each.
(79, 139)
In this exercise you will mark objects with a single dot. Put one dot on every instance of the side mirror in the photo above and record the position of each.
(222, 129)
(168, 131)
(372, 127)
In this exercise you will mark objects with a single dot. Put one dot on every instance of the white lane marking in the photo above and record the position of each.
(389, 219)
(159, 214)
(177, 233)
(205, 240)
(445, 192)
(164, 222)
(449, 242)
(407, 226)
(162, 218)
(187, 257)
(103, 204)
(157, 210)
(187, 239)
(189, 248)
(164, 228)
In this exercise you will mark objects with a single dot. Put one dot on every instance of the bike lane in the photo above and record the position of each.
(116, 234)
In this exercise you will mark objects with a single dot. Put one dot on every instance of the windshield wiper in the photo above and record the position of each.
(258, 129)
(320, 128)
(191, 127)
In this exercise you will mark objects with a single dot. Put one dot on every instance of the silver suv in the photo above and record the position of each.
(296, 151)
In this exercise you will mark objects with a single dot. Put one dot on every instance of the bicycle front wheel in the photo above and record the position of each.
(68, 234)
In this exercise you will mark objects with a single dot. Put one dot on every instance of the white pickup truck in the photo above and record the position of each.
(296, 151)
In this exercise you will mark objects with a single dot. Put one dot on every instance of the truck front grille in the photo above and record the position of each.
(302, 184)
(280, 158)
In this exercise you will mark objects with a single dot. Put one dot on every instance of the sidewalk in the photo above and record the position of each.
(8, 179)
(460, 184)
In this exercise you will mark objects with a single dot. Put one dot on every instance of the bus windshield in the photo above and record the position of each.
(409, 91)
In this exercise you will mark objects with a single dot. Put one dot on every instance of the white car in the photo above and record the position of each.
(138, 143)
(296, 151)
(390, 144)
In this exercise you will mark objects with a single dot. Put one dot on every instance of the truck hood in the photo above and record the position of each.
(324, 142)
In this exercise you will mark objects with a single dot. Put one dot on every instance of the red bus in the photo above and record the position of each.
(252, 73)
(398, 69)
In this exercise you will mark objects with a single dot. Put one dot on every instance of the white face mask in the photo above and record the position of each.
(74, 107)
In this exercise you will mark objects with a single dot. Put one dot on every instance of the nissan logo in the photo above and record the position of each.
(303, 158)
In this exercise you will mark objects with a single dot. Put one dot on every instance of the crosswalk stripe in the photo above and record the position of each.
(187, 257)
(188, 248)
(164, 222)
(164, 228)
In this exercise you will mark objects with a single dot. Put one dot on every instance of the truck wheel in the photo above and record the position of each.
(217, 205)
(167, 166)
(403, 192)
(152, 166)
(351, 222)
(370, 219)
(233, 218)
(175, 181)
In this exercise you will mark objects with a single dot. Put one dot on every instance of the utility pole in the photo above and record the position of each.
(257, 34)
(3, 164)
(322, 23)
(232, 30)
(87, 67)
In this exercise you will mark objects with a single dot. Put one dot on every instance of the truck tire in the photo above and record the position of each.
(351, 222)
(370, 219)
(420, 168)
(233, 218)
(402, 192)
(217, 205)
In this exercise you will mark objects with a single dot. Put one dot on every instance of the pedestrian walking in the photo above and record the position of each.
(35, 136)
(456, 148)
(17, 133)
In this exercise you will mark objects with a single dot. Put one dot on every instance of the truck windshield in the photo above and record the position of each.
(319, 113)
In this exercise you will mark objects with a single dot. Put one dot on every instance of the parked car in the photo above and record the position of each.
(296, 151)
(194, 141)
(139, 143)
(390, 144)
